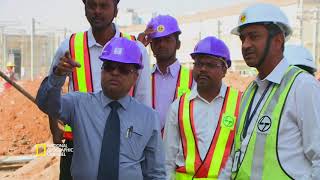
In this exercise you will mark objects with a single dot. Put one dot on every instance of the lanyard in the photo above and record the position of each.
(249, 117)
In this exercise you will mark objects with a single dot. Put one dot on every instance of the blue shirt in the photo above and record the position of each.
(141, 153)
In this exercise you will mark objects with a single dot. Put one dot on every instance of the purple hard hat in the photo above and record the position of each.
(163, 25)
(212, 46)
(122, 50)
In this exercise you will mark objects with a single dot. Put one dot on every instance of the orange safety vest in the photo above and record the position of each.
(82, 77)
(183, 85)
(221, 143)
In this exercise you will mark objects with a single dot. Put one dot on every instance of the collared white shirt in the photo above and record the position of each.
(299, 130)
(143, 86)
(206, 117)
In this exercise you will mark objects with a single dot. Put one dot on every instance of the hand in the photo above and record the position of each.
(56, 129)
(144, 36)
(66, 65)
(57, 136)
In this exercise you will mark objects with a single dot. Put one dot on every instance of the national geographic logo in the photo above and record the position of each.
(52, 150)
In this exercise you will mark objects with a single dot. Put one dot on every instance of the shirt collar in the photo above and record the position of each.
(276, 74)
(194, 93)
(92, 41)
(105, 100)
(173, 69)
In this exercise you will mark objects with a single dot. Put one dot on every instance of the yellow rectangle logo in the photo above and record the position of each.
(41, 149)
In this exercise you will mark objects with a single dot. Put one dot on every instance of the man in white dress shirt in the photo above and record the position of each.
(200, 125)
(278, 129)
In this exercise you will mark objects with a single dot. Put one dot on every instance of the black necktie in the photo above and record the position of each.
(109, 157)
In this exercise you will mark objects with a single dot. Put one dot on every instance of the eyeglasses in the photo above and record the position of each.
(124, 69)
(198, 64)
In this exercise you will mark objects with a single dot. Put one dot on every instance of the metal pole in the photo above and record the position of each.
(219, 29)
(31, 45)
(316, 53)
(65, 33)
(200, 34)
(4, 49)
(2, 46)
(301, 22)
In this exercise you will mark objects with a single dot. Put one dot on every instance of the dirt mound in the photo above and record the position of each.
(40, 168)
(238, 81)
(22, 124)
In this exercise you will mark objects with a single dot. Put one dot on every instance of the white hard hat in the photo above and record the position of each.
(264, 13)
(299, 55)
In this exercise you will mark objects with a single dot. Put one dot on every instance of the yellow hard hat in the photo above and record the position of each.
(10, 64)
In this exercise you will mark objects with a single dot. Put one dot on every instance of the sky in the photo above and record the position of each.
(60, 14)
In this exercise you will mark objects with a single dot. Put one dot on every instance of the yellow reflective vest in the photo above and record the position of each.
(221, 143)
(260, 159)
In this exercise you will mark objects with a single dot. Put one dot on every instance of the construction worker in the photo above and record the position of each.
(279, 121)
(10, 73)
(300, 56)
(85, 48)
(115, 136)
(200, 124)
(169, 78)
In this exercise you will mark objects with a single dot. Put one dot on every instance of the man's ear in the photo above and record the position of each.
(178, 44)
(115, 12)
(135, 77)
(224, 71)
(279, 40)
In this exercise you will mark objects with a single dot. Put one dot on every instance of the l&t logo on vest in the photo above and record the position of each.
(264, 124)
(52, 149)
(228, 121)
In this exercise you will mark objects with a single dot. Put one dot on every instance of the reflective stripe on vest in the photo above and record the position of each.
(183, 85)
(67, 132)
(260, 160)
(82, 77)
(128, 36)
(79, 50)
(221, 143)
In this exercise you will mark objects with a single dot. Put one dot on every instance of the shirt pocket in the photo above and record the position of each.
(135, 141)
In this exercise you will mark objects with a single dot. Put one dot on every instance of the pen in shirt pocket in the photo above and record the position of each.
(130, 131)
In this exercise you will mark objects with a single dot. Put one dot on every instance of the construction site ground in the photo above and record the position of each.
(23, 126)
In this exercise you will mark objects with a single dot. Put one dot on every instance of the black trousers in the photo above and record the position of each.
(65, 163)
